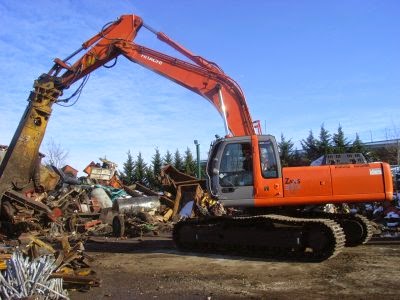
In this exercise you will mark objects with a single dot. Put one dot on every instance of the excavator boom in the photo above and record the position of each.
(116, 39)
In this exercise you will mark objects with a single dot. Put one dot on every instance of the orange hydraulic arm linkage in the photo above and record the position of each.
(202, 77)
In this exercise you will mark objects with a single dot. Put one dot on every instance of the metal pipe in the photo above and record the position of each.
(73, 54)
(25, 278)
(150, 28)
(196, 142)
(222, 104)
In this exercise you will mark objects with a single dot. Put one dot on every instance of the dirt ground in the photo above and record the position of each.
(153, 269)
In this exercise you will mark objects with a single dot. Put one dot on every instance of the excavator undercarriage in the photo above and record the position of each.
(266, 236)
(309, 237)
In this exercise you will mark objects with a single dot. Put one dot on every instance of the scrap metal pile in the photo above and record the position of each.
(40, 223)
(98, 204)
(34, 268)
(152, 213)
(101, 205)
(385, 217)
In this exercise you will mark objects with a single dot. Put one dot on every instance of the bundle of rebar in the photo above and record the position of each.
(31, 278)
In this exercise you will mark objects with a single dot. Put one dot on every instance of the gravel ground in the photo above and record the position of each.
(153, 269)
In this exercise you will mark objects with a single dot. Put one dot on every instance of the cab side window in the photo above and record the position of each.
(236, 167)
(269, 167)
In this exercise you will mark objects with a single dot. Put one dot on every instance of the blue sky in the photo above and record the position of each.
(300, 63)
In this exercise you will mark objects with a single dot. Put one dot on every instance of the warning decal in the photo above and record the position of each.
(375, 171)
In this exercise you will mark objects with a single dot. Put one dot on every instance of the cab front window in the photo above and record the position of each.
(236, 167)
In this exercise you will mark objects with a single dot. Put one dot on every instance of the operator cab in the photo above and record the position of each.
(237, 164)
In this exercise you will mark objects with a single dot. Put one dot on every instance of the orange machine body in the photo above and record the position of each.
(326, 184)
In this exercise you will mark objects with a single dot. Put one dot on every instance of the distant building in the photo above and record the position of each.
(382, 144)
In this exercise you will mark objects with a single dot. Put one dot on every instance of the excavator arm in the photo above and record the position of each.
(216, 87)
(202, 77)
(117, 38)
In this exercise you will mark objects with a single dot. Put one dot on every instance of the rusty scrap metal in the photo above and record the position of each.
(146, 191)
(182, 190)
(77, 280)
(4, 257)
(25, 201)
(74, 208)
(131, 191)
(69, 268)
(139, 225)
(172, 176)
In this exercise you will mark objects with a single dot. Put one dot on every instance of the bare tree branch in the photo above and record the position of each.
(55, 154)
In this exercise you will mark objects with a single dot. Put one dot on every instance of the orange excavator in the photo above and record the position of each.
(243, 168)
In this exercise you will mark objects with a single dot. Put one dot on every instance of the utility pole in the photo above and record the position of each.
(398, 152)
(196, 142)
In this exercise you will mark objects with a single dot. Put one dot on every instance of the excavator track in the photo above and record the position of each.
(266, 236)
(357, 228)
(368, 227)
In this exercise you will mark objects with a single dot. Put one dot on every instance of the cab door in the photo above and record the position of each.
(267, 171)
(230, 170)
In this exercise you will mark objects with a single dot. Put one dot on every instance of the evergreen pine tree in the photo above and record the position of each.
(299, 159)
(156, 170)
(128, 173)
(140, 169)
(340, 143)
(285, 151)
(324, 143)
(178, 162)
(357, 146)
(149, 180)
(310, 147)
(168, 159)
(189, 165)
